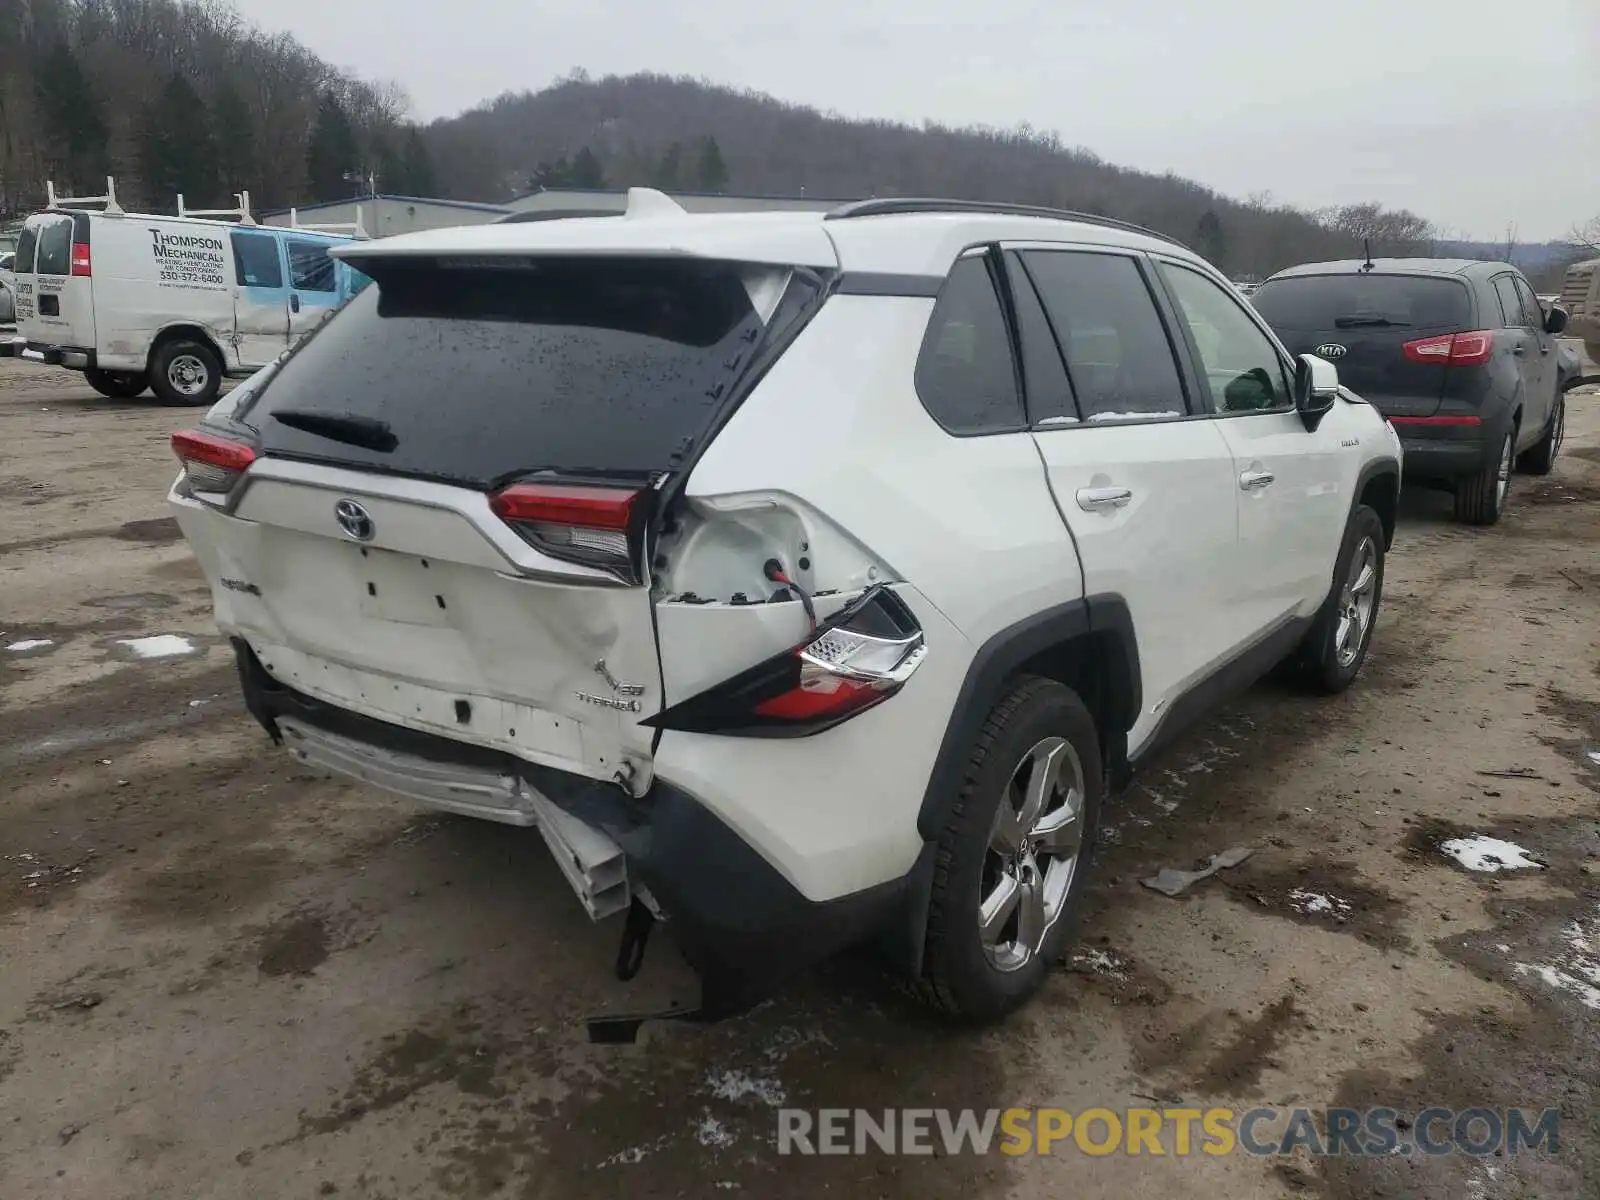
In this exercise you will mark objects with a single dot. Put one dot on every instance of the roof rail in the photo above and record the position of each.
(109, 199)
(354, 228)
(893, 205)
(242, 212)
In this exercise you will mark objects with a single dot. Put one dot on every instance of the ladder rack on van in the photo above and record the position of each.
(109, 199)
(241, 213)
(354, 228)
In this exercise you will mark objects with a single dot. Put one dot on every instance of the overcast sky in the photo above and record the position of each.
(1474, 113)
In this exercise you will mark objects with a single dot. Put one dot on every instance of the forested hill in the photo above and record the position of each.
(172, 96)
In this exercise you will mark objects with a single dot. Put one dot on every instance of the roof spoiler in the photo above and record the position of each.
(242, 212)
(109, 200)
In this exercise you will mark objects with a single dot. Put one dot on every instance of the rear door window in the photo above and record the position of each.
(1330, 303)
(1532, 310)
(310, 268)
(256, 261)
(480, 374)
(966, 377)
(1105, 320)
(26, 241)
(55, 247)
(1505, 289)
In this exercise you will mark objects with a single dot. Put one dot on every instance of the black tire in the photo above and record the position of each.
(958, 973)
(1540, 458)
(1480, 498)
(117, 385)
(1320, 664)
(185, 372)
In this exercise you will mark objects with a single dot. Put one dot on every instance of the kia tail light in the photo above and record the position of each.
(1452, 349)
(855, 660)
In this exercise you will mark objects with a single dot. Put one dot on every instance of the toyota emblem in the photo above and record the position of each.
(354, 520)
(1330, 350)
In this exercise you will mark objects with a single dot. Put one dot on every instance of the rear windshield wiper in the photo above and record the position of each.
(351, 428)
(1368, 323)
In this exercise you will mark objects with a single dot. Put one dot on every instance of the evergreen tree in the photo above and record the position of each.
(1209, 240)
(586, 171)
(669, 172)
(548, 174)
(176, 154)
(332, 153)
(416, 166)
(713, 172)
(72, 124)
(234, 140)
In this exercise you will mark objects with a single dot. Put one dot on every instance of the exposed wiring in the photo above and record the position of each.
(773, 570)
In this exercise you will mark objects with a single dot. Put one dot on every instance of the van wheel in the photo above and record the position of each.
(118, 385)
(184, 371)
(1013, 856)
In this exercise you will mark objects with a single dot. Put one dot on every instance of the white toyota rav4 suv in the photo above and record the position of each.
(802, 578)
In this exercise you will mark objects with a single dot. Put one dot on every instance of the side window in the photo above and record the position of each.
(255, 260)
(1533, 311)
(310, 268)
(1510, 302)
(1118, 357)
(1242, 367)
(965, 374)
(25, 243)
(55, 247)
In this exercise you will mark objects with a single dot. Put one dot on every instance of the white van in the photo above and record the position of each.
(174, 304)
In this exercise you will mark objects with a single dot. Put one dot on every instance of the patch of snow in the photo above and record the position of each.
(738, 1085)
(1592, 755)
(1577, 968)
(1317, 903)
(709, 1131)
(1133, 416)
(1481, 853)
(161, 645)
(1059, 421)
(27, 644)
(634, 1154)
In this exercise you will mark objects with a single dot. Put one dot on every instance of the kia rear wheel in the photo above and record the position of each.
(1481, 498)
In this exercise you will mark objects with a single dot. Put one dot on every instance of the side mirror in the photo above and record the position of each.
(1555, 320)
(1316, 387)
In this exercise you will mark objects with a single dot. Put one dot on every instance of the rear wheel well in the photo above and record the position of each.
(1382, 495)
(1094, 666)
(194, 333)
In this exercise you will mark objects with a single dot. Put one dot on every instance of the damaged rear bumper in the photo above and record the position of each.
(743, 926)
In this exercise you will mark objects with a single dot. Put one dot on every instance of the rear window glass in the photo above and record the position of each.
(25, 243)
(1329, 302)
(55, 247)
(481, 374)
(310, 268)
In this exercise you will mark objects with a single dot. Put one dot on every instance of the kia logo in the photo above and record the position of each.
(354, 520)
(1330, 350)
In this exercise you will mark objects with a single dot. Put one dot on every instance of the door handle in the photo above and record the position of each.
(1517, 350)
(294, 303)
(1100, 499)
(1252, 481)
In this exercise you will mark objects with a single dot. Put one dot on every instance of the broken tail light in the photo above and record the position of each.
(594, 526)
(211, 464)
(854, 661)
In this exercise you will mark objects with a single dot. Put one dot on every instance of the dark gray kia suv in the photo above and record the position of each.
(1458, 355)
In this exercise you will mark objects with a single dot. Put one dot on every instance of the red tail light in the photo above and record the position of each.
(592, 525)
(212, 464)
(1453, 349)
(856, 660)
(80, 259)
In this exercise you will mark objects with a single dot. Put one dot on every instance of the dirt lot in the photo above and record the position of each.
(225, 977)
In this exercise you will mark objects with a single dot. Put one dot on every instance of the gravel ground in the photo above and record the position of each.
(227, 977)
